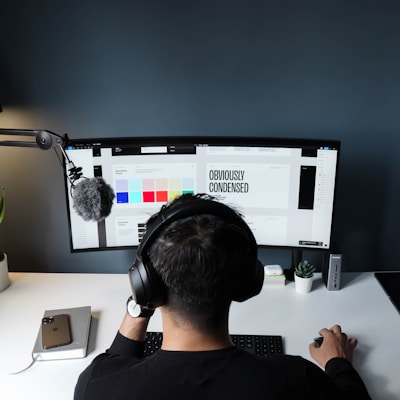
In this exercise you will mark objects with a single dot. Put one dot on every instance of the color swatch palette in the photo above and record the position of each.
(151, 190)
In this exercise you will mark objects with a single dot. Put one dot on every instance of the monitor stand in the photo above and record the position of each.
(296, 258)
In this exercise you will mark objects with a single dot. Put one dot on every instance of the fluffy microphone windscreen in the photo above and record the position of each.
(93, 198)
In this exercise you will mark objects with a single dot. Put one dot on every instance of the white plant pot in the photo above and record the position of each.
(4, 279)
(303, 285)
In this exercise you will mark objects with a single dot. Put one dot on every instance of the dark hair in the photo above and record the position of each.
(199, 259)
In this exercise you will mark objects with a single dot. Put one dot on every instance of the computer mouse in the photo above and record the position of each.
(318, 341)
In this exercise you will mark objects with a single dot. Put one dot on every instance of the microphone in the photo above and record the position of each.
(92, 197)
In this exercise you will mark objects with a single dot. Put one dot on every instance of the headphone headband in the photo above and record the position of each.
(187, 209)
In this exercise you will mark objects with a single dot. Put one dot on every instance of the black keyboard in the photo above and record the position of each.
(259, 345)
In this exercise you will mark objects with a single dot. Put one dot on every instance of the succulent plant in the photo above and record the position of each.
(304, 269)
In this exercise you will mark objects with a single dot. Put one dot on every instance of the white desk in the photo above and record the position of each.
(361, 307)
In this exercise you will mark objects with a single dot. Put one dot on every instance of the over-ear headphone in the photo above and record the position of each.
(147, 286)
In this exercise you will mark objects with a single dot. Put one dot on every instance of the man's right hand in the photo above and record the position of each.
(335, 344)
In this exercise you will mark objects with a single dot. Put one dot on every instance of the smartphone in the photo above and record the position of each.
(55, 331)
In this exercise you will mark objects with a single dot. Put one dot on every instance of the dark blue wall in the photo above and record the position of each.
(263, 68)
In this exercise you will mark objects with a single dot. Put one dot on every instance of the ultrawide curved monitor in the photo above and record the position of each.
(284, 188)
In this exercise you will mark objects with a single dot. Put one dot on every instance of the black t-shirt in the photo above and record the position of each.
(230, 373)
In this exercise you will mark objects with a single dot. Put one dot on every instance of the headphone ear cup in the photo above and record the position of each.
(249, 282)
(147, 288)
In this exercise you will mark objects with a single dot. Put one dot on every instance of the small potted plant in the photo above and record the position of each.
(303, 276)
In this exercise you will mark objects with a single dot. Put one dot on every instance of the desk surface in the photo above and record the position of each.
(361, 307)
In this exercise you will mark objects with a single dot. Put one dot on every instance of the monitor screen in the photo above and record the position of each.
(284, 188)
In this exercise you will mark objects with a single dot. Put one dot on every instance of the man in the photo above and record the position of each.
(198, 256)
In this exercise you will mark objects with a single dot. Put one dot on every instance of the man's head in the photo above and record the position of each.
(197, 256)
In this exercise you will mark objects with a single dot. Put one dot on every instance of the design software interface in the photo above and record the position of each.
(285, 191)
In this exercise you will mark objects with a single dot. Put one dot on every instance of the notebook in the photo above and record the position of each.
(79, 319)
(390, 282)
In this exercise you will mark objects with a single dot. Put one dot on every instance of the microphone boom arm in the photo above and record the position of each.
(93, 198)
(44, 139)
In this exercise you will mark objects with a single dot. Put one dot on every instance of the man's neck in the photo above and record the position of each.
(181, 336)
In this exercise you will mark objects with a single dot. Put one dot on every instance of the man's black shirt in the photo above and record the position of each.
(230, 373)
